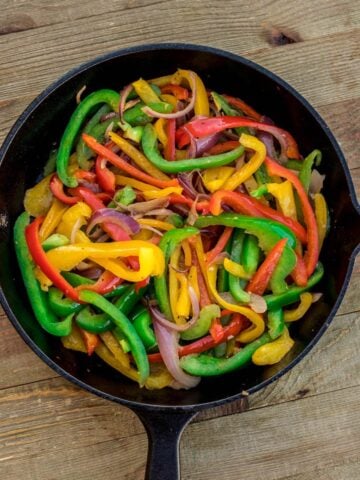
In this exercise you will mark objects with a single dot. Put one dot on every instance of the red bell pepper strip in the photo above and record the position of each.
(85, 175)
(179, 92)
(247, 205)
(91, 341)
(125, 166)
(39, 256)
(202, 127)
(216, 330)
(261, 278)
(142, 284)
(237, 324)
(104, 284)
(220, 245)
(312, 254)
(223, 147)
(241, 105)
(182, 138)
(169, 150)
(181, 199)
(299, 273)
(57, 189)
(105, 177)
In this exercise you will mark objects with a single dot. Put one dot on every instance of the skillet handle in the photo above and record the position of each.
(164, 430)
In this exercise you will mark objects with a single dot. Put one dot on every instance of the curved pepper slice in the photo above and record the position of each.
(246, 171)
(149, 144)
(301, 309)
(37, 297)
(201, 106)
(273, 352)
(52, 219)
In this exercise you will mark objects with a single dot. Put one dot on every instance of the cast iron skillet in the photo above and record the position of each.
(23, 154)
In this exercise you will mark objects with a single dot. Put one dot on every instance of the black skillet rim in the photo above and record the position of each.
(237, 58)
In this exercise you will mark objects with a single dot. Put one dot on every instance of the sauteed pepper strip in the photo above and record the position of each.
(37, 297)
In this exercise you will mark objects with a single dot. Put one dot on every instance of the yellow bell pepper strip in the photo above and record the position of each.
(245, 172)
(38, 199)
(193, 280)
(125, 166)
(201, 101)
(77, 214)
(123, 181)
(151, 258)
(236, 269)
(214, 178)
(284, 194)
(273, 352)
(123, 323)
(145, 92)
(140, 159)
(151, 194)
(187, 253)
(258, 324)
(159, 224)
(169, 99)
(52, 219)
(300, 310)
(115, 348)
(322, 216)
(159, 126)
(174, 283)
(74, 340)
(183, 304)
(162, 81)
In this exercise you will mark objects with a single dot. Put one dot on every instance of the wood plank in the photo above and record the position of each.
(337, 472)
(295, 438)
(310, 435)
(18, 16)
(331, 76)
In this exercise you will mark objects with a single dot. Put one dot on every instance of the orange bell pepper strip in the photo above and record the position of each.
(312, 254)
(181, 93)
(91, 341)
(261, 278)
(57, 189)
(125, 166)
(244, 107)
(169, 150)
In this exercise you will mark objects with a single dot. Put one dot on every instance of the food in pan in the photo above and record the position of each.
(175, 233)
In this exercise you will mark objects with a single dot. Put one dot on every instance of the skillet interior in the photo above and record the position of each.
(39, 129)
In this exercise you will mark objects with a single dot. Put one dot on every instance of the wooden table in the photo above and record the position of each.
(306, 425)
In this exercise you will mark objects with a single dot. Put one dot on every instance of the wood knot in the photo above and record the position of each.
(16, 23)
(301, 393)
(277, 36)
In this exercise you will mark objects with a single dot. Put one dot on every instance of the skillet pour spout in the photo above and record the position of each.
(24, 154)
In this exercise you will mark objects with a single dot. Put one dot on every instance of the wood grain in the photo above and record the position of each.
(304, 426)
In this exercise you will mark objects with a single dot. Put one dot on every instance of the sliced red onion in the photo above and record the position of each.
(168, 341)
(143, 207)
(185, 180)
(268, 141)
(94, 187)
(79, 93)
(93, 273)
(316, 297)
(109, 129)
(123, 97)
(257, 303)
(84, 266)
(160, 212)
(316, 181)
(219, 259)
(108, 116)
(152, 229)
(152, 113)
(110, 215)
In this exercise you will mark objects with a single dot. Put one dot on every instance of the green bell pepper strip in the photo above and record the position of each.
(204, 365)
(167, 244)
(94, 322)
(220, 350)
(203, 324)
(137, 347)
(293, 164)
(261, 175)
(268, 232)
(176, 220)
(150, 148)
(142, 321)
(223, 275)
(250, 255)
(55, 240)
(292, 295)
(83, 152)
(276, 323)
(307, 165)
(111, 98)
(129, 299)
(61, 305)
(38, 298)
(50, 165)
(235, 284)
